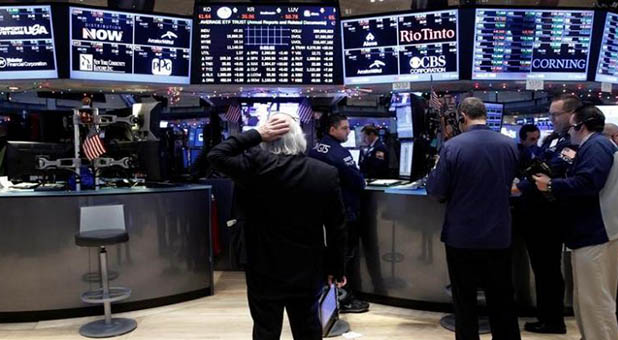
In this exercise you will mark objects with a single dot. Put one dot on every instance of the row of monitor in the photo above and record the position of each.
(306, 44)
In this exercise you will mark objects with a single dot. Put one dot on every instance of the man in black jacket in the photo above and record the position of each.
(291, 203)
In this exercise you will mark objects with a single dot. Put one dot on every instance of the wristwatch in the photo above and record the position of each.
(549, 186)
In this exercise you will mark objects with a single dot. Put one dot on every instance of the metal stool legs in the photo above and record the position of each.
(109, 326)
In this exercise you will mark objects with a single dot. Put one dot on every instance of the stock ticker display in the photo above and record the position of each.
(110, 45)
(244, 44)
(607, 69)
(407, 47)
(516, 44)
(27, 43)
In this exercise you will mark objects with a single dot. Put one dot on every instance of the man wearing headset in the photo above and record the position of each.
(594, 239)
(542, 227)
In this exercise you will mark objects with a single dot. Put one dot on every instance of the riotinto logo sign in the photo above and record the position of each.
(425, 35)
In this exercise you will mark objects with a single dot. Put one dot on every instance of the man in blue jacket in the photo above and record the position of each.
(540, 222)
(330, 151)
(474, 175)
(594, 243)
(374, 157)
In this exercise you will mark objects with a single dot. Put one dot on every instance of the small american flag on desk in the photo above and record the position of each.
(93, 146)
(233, 113)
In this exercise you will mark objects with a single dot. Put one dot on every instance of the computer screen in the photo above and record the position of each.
(610, 112)
(407, 47)
(351, 142)
(607, 68)
(21, 157)
(268, 44)
(328, 309)
(290, 108)
(27, 43)
(404, 122)
(519, 44)
(253, 114)
(495, 112)
(125, 46)
(405, 159)
(355, 155)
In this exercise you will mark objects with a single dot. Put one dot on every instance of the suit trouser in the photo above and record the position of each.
(595, 281)
(357, 232)
(490, 269)
(267, 315)
(544, 245)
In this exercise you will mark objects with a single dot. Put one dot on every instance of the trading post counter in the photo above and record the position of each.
(403, 261)
(167, 259)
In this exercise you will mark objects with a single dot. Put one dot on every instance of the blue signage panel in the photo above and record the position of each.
(119, 46)
(27, 43)
(607, 69)
(517, 44)
(276, 44)
(406, 47)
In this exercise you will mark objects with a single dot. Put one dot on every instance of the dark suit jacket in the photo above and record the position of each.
(290, 203)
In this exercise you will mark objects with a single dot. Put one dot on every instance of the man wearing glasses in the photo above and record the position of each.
(590, 232)
(543, 228)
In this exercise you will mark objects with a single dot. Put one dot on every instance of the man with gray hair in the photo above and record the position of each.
(294, 226)
(611, 131)
(474, 175)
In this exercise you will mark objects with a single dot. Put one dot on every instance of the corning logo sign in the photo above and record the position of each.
(425, 35)
(428, 64)
(99, 34)
(559, 64)
(24, 30)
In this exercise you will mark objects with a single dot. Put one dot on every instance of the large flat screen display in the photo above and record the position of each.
(518, 44)
(607, 69)
(407, 47)
(110, 45)
(495, 113)
(27, 43)
(276, 44)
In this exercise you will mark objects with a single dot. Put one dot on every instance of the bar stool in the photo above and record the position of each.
(101, 226)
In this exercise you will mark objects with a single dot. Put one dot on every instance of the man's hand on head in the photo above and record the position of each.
(276, 127)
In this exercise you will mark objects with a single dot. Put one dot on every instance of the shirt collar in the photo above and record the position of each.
(587, 138)
(478, 127)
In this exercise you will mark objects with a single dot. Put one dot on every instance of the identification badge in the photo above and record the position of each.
(568, 155)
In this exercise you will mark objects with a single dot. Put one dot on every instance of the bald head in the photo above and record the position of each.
(611, 131)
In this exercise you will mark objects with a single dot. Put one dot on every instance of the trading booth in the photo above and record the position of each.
(163, 89)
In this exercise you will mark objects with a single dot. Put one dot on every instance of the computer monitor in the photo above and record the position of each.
(404, 122)
(21, 158)
(145, 158)
(495, 112)
(351, 142)
(610, 112)
(149, 120)
(405, 159)
(355, 155)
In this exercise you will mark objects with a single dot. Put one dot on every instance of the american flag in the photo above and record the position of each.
(305, 112)
(93, 146)
(434, 101)
(233, 113)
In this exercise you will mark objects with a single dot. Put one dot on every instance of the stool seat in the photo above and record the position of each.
(101, 237)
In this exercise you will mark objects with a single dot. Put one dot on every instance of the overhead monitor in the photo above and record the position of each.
(355, 156)
(290, 108)
(610, 112)
(401, 48)
(495, 112)
(351, 142)
(269, 44)
(607, 68)
(405, 159)
(27, 43)
(123, 46)
(519, 44)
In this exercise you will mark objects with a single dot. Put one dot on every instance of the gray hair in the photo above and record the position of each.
(292, 143)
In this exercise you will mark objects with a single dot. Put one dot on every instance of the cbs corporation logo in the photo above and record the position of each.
(2, 62)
